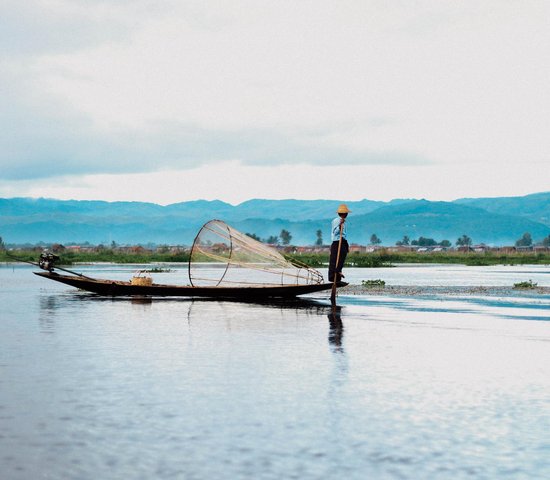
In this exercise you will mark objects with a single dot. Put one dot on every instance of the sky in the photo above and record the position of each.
(182, 100)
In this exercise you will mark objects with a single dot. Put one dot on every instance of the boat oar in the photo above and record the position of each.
(22, 260)
(333, 294)
(74, 273)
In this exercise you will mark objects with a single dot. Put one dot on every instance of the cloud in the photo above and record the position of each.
(235, 182)
(137, 86)
(40, 140)
(36, 27)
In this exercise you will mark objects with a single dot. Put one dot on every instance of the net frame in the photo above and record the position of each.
(269, 262)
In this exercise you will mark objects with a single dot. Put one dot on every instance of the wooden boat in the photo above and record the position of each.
(120, 288)
(244, 269)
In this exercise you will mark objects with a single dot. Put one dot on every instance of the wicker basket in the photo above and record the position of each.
(142, 281)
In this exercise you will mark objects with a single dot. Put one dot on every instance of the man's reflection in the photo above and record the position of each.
(336, 327)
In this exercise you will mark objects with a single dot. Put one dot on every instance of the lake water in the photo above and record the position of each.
(381, 387)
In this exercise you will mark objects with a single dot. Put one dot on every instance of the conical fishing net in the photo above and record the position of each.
(224, 257)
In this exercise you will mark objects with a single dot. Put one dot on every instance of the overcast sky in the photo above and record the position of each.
(167, 101)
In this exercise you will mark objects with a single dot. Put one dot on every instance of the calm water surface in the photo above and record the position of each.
(379, 388)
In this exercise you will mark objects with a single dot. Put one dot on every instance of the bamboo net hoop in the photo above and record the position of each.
(222, 256)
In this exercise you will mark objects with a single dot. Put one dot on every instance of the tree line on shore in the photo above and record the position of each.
(464, 240)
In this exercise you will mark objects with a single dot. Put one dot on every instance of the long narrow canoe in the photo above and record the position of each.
(115, 288)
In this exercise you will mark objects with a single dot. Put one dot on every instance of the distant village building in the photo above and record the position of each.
(526, 248)
(402, 248)
(356, 248)
(178, 249)
(505, 249)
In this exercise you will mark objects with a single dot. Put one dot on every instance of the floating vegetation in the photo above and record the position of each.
(373, 283)
(158, 270)
(527, 284)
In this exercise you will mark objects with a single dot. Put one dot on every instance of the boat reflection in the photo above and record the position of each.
(48, 309)
(297, 303)
(141, 300)
(195, 309)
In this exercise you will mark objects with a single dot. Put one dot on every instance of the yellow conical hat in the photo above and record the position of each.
(343, 208)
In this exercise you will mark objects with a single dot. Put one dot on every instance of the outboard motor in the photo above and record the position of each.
(47, 260)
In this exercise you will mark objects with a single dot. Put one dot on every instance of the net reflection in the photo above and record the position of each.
(310, 308)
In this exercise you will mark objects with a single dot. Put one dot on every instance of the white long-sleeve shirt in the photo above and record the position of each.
(335, 232)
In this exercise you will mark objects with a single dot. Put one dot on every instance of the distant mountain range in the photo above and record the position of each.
(498, 221)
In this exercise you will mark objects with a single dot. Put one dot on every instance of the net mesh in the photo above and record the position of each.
(223, 256)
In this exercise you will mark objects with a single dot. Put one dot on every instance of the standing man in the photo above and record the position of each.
(340, 220)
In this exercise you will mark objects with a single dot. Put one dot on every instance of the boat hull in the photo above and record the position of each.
(115, 288)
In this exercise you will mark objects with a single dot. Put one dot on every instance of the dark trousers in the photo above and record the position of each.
(332, 267)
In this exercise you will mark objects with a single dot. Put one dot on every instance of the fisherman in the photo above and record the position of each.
(338, 225)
